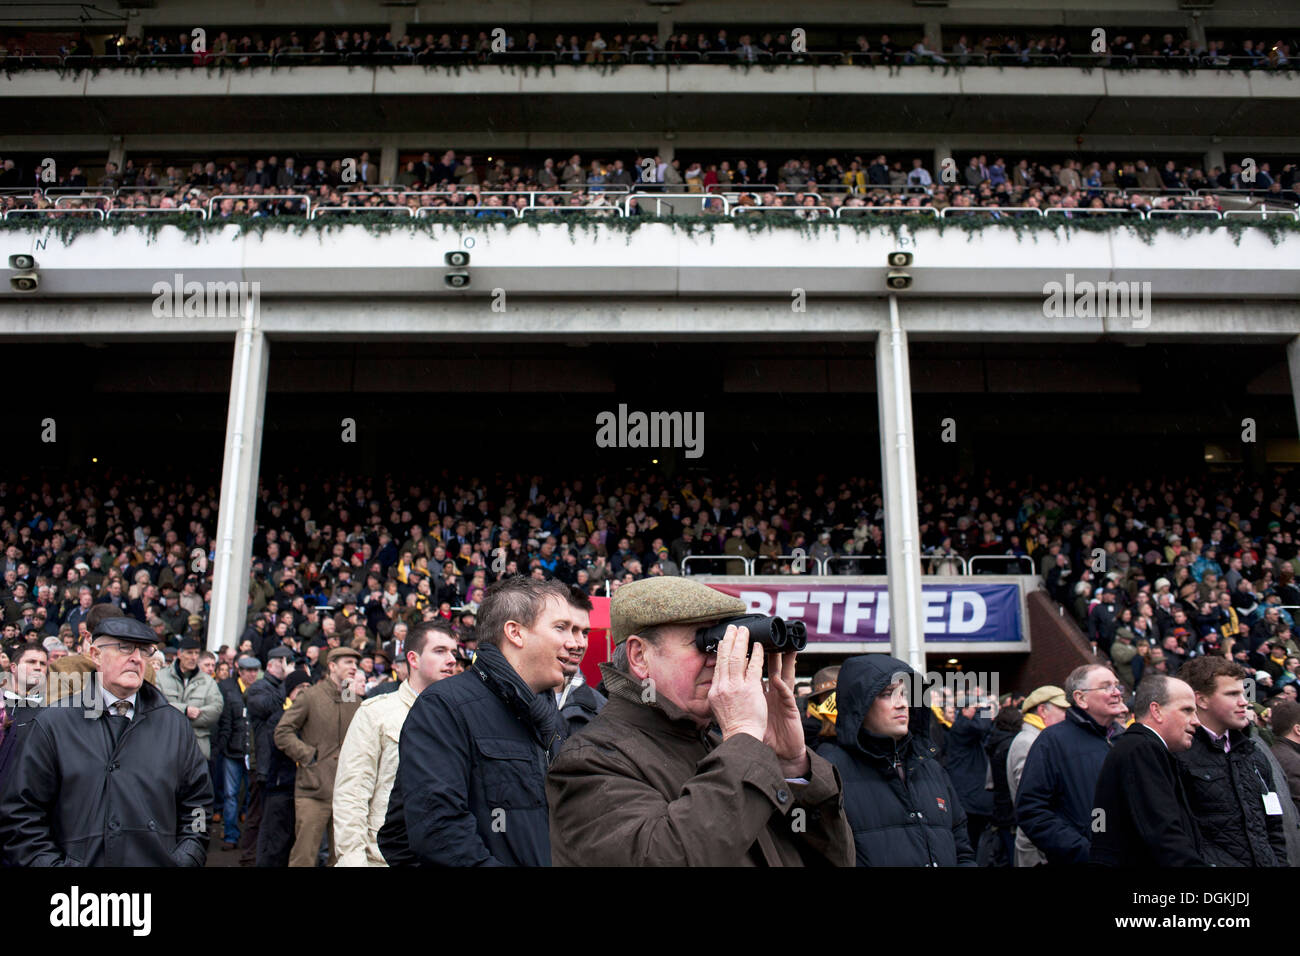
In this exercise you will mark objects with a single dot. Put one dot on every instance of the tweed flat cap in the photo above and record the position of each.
(667, 600)
(341, 652)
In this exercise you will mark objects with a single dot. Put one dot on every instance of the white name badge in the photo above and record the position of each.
(1272, 805)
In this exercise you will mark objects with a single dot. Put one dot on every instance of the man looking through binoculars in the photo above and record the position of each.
(693, 762)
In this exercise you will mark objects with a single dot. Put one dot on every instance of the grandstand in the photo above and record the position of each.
(1003, 252)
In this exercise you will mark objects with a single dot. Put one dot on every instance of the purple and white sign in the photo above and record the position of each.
(860, 612)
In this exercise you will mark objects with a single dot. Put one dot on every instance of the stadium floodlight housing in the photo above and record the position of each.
(900, 260)
(457, 280)
(897, 280)
(459, 259)
(25, 282)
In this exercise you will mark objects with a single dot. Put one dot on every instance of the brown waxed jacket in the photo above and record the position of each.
(643, 786)
(311, 734)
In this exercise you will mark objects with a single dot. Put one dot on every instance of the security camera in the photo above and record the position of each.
(898, 280)
(457, 280)
(899, 259)
(22, 262)
(457, 259)
(24, 282)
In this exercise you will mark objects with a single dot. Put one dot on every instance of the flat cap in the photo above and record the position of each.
(249, 664)
(1047, 694)
(280, 651)
(341, 652)
(667, 600)
(126, 629)
(187, 643)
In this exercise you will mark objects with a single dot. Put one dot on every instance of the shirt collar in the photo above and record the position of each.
(1221, 741)
(109, 699)
(1153, 730)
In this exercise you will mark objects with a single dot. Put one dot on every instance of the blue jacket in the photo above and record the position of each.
(1055, 801)
(914, 821)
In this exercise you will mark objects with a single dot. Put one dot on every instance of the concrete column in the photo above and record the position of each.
(388, 156)
(117, 152)
(942, 151)
(398, 28)
(239, 479)
(933, 35)
(1215, 157)
(665, 29)
(898, 466)
(1293, 365)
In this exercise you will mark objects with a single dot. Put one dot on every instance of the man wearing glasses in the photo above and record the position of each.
(1055, 802)
(112, 776)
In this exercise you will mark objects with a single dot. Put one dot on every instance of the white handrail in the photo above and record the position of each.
(154, 210)
(321, 210)
(990, 210)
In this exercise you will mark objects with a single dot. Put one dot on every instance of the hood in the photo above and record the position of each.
(861, 681)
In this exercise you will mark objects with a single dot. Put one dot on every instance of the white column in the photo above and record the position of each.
(898, 461)
(1293, 365)
(239, 479)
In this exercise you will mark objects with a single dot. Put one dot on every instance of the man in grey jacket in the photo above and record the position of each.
(1043, 708)
(192, 692)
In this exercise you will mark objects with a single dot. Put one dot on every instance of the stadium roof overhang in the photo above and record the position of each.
(650, 100)
(656, 281)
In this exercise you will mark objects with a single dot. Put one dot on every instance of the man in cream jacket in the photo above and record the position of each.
(368, 760)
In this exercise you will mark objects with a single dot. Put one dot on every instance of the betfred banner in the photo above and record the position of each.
(860, 612)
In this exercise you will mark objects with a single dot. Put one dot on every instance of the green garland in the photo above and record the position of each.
(70, 228)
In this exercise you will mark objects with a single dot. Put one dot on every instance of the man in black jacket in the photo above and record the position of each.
(231, 747)
(1142, 816)
(475, 747)
(276, 831)
(263, 701)
(1229, 781)
(902, 806)
(23, 697)
(127, 788)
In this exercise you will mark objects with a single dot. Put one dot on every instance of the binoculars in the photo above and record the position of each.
(773, 633)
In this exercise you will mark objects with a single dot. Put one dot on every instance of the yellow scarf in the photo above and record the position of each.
(827, 709)
(938, 712)
(1033, 720)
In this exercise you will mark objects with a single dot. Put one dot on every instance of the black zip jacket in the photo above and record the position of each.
(915, 819)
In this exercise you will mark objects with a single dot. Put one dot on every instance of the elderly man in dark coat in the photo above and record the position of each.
(128, 788)
(650, 782)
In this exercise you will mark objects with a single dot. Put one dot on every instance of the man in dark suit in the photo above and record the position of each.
(1142, 816)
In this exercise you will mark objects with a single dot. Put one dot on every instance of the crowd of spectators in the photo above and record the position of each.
(316, 46)
(480, 186)
(372, 553)
(1173, 579)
